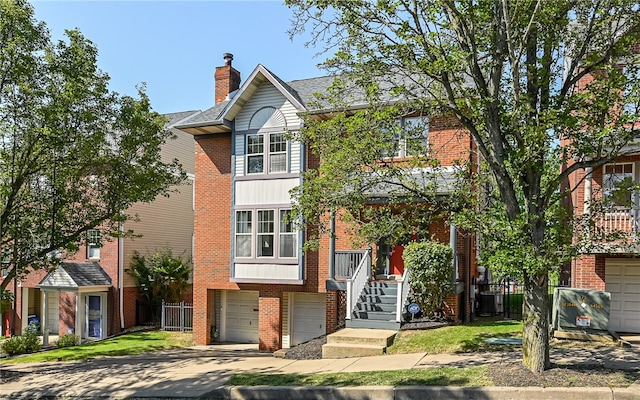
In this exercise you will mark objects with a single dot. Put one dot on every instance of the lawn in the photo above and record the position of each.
(455, 339)
(128, 344)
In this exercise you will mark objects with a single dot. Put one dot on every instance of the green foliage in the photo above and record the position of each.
(6, 298)
(68, 340)
(161, 276)
(73, 154)
(26, 343)
(431, 274)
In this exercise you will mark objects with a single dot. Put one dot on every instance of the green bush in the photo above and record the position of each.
(431, 273)
(68, 340)
(27, 343)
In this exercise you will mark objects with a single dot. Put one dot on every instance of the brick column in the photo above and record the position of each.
(270, 321)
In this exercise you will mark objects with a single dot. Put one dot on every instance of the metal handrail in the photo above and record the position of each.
(403, 293)
(357, 282)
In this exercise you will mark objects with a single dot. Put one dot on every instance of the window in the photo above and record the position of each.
(288, 237)
(276, 156)
(243, 233)
(413, 139)
(274, 237)
(617, 184)
(255, 154)
(93, 243)
(277, 153)
(632, 74)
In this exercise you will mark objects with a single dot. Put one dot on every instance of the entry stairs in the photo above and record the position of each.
(376, 306)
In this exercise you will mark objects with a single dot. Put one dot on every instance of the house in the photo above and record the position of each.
(611, 265)
(91, 293)
(252, 281)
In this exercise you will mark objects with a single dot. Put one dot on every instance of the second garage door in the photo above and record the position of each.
(623, 282)
(309, 317)
(242, 316)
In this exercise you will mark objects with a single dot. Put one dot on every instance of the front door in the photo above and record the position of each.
(390, 260)
(396, 263)
(94, 316)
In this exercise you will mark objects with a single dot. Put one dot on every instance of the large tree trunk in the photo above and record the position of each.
(535, 349)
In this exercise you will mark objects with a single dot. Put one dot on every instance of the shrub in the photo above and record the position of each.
(431, 274)
(68, 340)
(27, 343)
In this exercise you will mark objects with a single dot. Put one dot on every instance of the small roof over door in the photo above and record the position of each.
(75, 276)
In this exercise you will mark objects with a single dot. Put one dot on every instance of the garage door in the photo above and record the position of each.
(53, 312)
(242, 316)
(623, 282)
(309, 317)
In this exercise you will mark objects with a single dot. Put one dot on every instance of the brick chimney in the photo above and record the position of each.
(227, 78)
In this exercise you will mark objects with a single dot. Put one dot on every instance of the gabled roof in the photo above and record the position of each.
(76, 275)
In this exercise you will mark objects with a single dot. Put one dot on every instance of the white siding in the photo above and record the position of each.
(267, 95)
(239, 159)
(286, 337)
(295, 157)
(266, 271)
(272, 191)
(53, 312)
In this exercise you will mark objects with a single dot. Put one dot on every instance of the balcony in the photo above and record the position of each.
(617, 232)
(342, 267)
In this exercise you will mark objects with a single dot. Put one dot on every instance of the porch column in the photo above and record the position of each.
(332, 246)
(79, 318)
(43, 321)
(587, 190)
(453, 242)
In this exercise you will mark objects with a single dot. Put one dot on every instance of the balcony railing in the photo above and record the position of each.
(624, 220)
(346, 262)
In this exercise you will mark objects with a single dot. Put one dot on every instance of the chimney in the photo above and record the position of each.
(227, 78)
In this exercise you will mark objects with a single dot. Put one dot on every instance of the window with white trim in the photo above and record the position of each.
(411, 138)
(93, 243)
(272, 238)
(617, 185)
(244, 233)
(267, 152)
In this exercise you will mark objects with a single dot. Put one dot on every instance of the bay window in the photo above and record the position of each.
(272, 238)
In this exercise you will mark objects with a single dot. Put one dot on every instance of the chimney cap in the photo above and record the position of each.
(228, 57)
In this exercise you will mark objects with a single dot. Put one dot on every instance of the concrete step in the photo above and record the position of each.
(377, 315)
(372, 337)
(344, 350)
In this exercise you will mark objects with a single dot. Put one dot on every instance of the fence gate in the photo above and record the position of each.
(177, 316)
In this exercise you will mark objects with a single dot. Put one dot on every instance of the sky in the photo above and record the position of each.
(174, 46)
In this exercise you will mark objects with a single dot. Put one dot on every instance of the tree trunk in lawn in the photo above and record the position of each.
(535, 349)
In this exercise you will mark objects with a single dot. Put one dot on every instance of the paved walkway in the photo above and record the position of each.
(201, 372)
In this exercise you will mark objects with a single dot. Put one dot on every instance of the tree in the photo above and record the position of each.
(73, 154)
(161, 276)
(536, 84)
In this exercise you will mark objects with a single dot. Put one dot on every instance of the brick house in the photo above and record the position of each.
(91, 293)
(608, 266)
(252, 281)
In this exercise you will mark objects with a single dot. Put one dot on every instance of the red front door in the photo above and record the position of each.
(396, 263)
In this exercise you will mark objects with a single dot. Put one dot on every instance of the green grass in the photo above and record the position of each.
(472, 376)
(128, 344)
(455, 339)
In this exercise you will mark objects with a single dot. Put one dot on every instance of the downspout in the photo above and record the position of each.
(453, 242)
(332, 246)
(121, 273)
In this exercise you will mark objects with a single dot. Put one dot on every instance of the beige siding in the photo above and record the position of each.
(183, 148)
(167, 222)
(273, 191)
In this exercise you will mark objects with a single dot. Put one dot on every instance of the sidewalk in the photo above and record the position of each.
(201, 372)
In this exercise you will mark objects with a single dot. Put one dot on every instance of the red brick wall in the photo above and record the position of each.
(270, 318)
(590, 272)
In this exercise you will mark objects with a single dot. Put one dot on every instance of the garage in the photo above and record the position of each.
(623, 282)
(241, 316)
(308, 317)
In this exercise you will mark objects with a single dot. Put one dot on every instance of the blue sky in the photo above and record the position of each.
(174, 46)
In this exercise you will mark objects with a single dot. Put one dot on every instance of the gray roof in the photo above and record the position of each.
(178, 116)
(73, 275)
(210, 115)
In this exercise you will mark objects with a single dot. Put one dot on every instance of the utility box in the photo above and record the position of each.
(581, 309)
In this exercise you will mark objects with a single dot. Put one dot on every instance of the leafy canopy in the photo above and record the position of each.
(73, 154)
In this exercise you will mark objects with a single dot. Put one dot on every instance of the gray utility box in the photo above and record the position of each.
(581, 309)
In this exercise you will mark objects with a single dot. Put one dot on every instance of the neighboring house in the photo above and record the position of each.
(252, 281)
(91, 293)
(609, 266)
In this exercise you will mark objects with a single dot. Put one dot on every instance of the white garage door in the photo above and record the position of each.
(53, 312)
(242, 316)
(308, 317)
(623, 282)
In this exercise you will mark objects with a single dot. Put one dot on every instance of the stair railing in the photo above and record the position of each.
(356, 284)
(403, 293)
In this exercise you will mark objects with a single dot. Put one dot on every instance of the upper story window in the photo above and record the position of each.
(93, 243)
(267, 153)
(274, 236)
(632, 103)
(412, 139)
(617, 184)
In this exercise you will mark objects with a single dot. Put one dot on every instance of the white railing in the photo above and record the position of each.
(403, 293)
(357, 282)
(177, 316)
(622, 221)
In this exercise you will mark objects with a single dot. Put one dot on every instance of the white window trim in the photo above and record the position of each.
(93, 245)
(276, 236)
(619, 210)
(251, 235)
